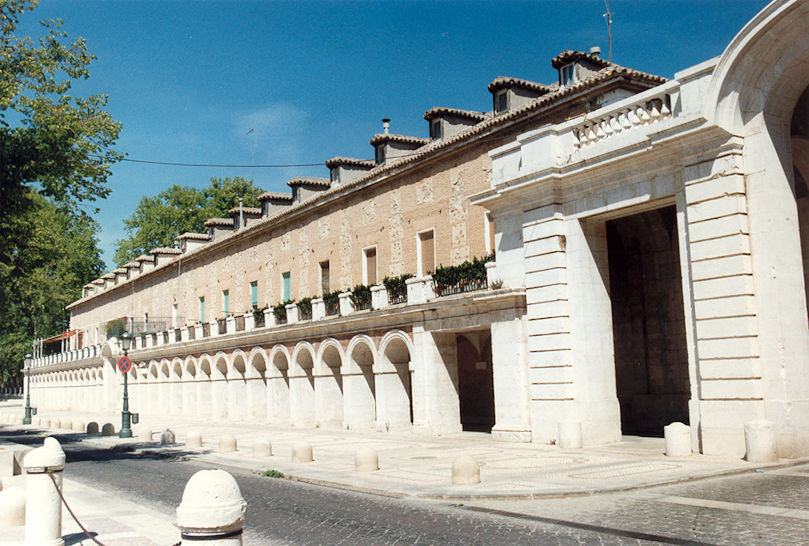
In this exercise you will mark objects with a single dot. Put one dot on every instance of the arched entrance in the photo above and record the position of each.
(329, 386)
(359, 399)
(394, 403)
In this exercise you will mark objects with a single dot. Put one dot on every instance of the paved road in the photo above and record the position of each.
(749, 509)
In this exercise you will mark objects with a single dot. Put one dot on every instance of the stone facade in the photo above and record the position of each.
(650, 268)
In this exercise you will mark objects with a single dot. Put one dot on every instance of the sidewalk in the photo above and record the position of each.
(420, 466)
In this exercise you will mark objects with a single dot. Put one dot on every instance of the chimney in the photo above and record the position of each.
(595, 50)
(386, 125)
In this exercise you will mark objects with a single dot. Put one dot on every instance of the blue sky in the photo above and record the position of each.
(189, 79)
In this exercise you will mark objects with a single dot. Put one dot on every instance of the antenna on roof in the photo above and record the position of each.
(608, 17)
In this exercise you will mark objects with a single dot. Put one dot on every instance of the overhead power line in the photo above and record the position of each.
(231, 166)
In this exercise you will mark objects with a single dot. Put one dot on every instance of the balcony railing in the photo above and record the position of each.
(462, 287)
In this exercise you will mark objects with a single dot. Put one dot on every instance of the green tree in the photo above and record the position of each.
(59, 256)
(157, 221)
(55, 155)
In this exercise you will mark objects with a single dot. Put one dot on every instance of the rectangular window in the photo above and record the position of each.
(254, 294)
(202, 309)
(489, 224)
(287, 284)
(226, 302)
(369, 271)
(426, 252)
(568, 75)
(435, 129)
(501, 101)
(174, 316)
(334, 176)
(325, 282)
(380, 154)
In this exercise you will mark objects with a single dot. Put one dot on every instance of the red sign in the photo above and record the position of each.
(124, 364)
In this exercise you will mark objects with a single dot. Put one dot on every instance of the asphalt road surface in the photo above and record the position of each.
(746, 509)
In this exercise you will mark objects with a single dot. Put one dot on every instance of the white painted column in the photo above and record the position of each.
(436, 406)
(510, 371)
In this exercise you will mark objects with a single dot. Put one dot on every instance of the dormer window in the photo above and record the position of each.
(435, 129)
(380, 154)
(334, 175)
(501, 101)
(567, 75)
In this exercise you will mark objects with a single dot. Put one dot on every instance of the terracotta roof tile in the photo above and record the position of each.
(439, 111)
(502, 82)
(120, 271)
(108, 276)
(309, 181)
(385, 137)
(144, 258)
(194, 236)
(219, 222)
(336, 161)
(131, 264)
(570, 56)
(252, 211)
(267, 195)
(165, 250)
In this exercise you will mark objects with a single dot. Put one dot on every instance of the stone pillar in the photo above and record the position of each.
(318, 309)
(249, 321)
(510, 372)
(292, 313)
(230, 324)
(436, 406)
(198, 330)
(269, 317)
(212, 509)
(43, 506)
(420, 289)
(379, 297)
(346, 305)
(184, 334)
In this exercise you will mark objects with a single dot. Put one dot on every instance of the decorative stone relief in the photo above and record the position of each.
(345, 250)
(424, 192)
(304, 252)
(369, 211)
(396, 234)
(459, 251)
(323, 228)
(285, 241)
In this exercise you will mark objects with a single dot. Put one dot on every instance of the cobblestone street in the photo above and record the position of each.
(752, 508)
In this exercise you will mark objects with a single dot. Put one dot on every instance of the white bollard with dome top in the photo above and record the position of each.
(212, 510)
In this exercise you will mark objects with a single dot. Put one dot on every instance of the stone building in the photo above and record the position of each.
(649, 235)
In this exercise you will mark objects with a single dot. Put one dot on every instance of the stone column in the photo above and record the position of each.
(510, 371)
(436, 406)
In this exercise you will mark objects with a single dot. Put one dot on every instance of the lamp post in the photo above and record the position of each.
(126, 430)
(28, 409)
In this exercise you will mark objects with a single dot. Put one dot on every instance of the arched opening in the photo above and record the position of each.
(279, 404)
(359, 388)
(394, 400)
(475, 382)
(237, 388)
(302, 388)
(219, 392)
(329, 387)
(204, 388)
(799, 142)
(257, 392)
(176, 387)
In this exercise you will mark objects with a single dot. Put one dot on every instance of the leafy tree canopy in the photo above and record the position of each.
(157, 221)
(55, 155)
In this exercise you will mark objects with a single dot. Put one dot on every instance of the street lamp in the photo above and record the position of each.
(126, 430)
(28, 360)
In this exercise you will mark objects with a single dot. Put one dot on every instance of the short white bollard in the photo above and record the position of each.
(227, 444)
(678, 440)
(143, 431)
(569, 434)
(465, 471)
(92, 427)
(42, 502)
(366, 460)
(167, 438)
(262, 448)
(193, 439)
(12, 507)
(212, 509)
(759, 441)
(302, 452)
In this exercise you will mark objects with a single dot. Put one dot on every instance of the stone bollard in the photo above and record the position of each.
(92, 427)
(80, 426)
(56, 423)
(67, 425)
(108, 429)
(167, 438)
(144, 432)
(12, 507)
(569, 434)
(193, 439)
(678, 440)
(759, 441)
(465, 471)
(366, 460)
(302, 452)
(42, 502)
(212, 509)
(262, 448)
(227, 444)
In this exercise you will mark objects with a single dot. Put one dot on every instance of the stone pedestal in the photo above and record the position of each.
(346, 305)
(420, 289)
(678, 440)
(318, 309)
(292, 313)
(379, 297)
(759, 441)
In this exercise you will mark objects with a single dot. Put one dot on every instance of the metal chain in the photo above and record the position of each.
(86, 532)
